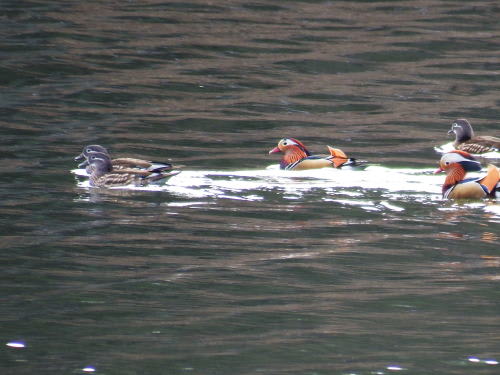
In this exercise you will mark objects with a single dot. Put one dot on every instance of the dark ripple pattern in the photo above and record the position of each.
(325, 282)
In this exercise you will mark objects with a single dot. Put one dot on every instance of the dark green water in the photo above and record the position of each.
(234, 268)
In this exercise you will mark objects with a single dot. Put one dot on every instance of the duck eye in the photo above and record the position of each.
(447, 163)
(88, 150)
(285, 143)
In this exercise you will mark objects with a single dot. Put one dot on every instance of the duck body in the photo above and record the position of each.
(456, 164)
(102, 173)
(297, 157)
(121, 163)
(469, 188)
(466, 141)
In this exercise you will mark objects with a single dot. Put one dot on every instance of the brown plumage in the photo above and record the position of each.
(466, 141)
(103, 175)
(121, 163)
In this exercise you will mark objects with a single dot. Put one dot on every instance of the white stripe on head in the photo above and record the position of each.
(288, 142)
(453, 157)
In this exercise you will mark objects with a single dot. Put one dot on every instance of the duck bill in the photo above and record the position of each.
(439, 170)
(83, 164)
(80, 157)
(275, 150)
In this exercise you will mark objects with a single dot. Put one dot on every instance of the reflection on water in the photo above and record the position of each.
(353, 180)
(351, 186)
(232, 267)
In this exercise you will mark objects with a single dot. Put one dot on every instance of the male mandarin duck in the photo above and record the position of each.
(297, 157)
(120, 163)
(465, 140)
(103, 175)
(456, 164)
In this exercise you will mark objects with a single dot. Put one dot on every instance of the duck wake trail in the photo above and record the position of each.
(246, 184)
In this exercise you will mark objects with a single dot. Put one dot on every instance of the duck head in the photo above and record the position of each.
(290, 144)
(293, 150)
(456, 164)
(91, 156)
(458, 159)
(462, 129)
(99, 163)
(91, 148)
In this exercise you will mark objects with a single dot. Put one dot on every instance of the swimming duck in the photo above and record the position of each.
(121, 169)
(103, 175)
(465, 140)
(456, 164)
(120, 163)
(297, 157)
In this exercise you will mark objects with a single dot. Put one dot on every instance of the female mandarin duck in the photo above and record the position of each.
(456, 164)
(297, 157)
(103, 175)
(120, 163)
(465, 140)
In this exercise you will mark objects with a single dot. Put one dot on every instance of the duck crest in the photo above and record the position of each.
(465, 154)
(301, 146)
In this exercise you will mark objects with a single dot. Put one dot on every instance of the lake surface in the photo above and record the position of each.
(236, 267)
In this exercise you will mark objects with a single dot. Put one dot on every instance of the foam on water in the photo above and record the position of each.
(246, 184)
(349, 187)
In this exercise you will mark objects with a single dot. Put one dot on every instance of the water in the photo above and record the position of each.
(236, 267)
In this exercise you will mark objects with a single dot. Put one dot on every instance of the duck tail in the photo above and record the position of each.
(160, 167)
(340, 159)
(151, 166)
(491, 180)
(159, 176)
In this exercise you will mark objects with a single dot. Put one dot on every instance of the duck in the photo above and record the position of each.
(465, 140)
(456, 164)
(121, 163)
(297, 157)
(103, 175)
(121, 169)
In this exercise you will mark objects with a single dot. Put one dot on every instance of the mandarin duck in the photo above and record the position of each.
(456, 164)
(465, 140)
(103, 175)
(297, 157)
(121, 163)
